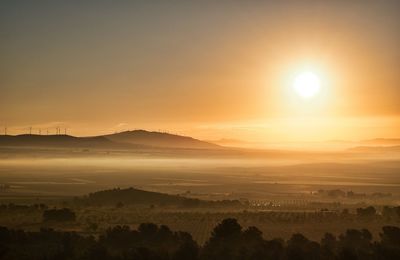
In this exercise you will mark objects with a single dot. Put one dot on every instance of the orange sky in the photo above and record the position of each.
(205, 69)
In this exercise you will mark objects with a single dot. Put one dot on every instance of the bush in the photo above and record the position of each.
(59, 215)
(366, 212)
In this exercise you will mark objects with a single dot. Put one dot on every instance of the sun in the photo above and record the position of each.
(306, 84)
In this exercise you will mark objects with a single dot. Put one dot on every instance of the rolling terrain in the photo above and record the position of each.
(158, 139)
(124, 140)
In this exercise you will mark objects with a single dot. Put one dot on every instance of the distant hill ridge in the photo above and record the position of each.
(382, 141)
(133, 196)
(128, 140)
(376, 149)
(54, 141)
(158, 139)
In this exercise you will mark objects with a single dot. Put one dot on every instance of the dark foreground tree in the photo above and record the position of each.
(229, 241)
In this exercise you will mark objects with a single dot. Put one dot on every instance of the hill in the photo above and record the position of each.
(58, 141)
(228, 142)
(382, 141)
(158, 139)
(376, 149)
(132, 196)
(124, 140)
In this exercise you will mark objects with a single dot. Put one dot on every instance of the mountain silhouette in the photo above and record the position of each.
(376, 149)
(132, 196)
(59, 141)
(158, 139)
(124, 140)
(382, 141)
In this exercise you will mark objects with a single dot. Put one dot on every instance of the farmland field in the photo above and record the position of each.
(282, 196)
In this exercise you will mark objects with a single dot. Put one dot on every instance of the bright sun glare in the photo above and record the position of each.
(306, 84)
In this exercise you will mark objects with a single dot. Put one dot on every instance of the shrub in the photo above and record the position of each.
(59, 215)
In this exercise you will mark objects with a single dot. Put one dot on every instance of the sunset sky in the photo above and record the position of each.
(208, 69)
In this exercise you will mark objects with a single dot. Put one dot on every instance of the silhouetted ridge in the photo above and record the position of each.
(158, 139)
(382, 141)
(376, 149)
(132, 196)
(126, 140)
(56, 141)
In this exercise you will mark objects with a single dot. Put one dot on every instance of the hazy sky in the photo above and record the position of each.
(209, 69)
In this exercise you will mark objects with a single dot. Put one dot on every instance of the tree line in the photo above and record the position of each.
(229, 240)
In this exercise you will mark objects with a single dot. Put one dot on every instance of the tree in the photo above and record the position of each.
(300, 248)
(390, 236)
(60, 215)
(188, 248)
(366, 212)
(356, 242)
(223, 241)
(228, 228)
